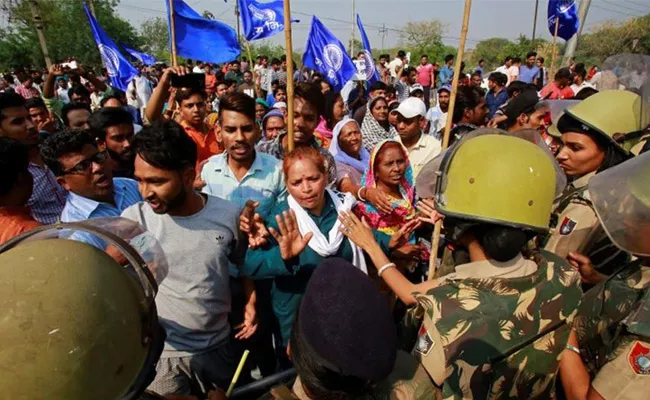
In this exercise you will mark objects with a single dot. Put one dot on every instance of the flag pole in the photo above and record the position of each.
(557, 26)
(173, 33)
(289, 50)
(435, 238)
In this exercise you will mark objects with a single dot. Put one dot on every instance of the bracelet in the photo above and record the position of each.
(573, 349)
(385, 267)
(359, 196)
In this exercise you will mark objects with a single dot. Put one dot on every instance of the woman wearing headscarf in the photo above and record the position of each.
(389, 171)
(375, 126)
(334, 112)
(305, 231)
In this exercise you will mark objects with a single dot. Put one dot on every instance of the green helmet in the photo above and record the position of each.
(498, 179)
(74, 324)
(612, 114)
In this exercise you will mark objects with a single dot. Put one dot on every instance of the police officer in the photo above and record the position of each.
(344, 343)
(495, 326)
(610, 341)
(588, 148)
(74, 323)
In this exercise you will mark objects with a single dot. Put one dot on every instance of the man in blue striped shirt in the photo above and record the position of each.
(87, 174)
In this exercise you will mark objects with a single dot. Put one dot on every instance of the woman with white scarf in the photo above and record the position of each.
(304, 231)
(352, 159)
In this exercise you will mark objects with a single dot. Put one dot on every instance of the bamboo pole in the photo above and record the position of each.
(173, 34)
(435, 239)
(289, 50)
(532, 42)
(38, 22)
(557, 26)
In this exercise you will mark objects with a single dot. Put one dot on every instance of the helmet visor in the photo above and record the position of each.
(621, 198)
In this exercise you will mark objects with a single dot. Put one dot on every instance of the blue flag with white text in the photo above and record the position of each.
(261, 20)
(144, 58)
(566, 11)
(120, 71)
(371, 72)
(326, 54)
(200, 38)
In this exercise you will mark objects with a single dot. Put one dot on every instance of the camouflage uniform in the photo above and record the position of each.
(470, 325)
(408, 381)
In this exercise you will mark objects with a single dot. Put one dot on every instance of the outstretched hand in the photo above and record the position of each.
(428, 209)
(357, 231)
(379, 199)
(401, 237)
(252, 224)
(288, 236)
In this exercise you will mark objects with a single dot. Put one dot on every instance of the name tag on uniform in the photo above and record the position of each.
(567, 226)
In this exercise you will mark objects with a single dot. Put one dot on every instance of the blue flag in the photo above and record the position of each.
(261, 20)
(144, 58)
(120, 71)
(326, 54)
(202, 39)
(371, 72)
(566, 11)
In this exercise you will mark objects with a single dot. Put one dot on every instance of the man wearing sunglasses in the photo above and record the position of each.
(87, 174)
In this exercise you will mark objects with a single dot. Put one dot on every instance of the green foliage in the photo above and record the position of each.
(425, 37)
(66, 29)
(155, 38)
(495, 50)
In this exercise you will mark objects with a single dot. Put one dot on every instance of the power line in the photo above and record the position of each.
(638, 4)
(626, 7)
(614, 11)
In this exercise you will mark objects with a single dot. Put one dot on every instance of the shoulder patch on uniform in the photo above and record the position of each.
(639, 359)
(425, 343)
(567, 226)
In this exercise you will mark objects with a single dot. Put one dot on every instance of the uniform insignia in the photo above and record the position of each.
(639, 359)
(567, 226)
(425, 343)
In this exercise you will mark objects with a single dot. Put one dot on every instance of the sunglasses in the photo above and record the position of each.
(85, 166)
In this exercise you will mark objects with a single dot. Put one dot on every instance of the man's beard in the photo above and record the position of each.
(125, 163)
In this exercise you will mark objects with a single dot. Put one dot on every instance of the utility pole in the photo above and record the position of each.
(237, 18)
(91, 8)
(38, 22)
(534, 25)
(354, 24)
(383, 32)
(572, 44)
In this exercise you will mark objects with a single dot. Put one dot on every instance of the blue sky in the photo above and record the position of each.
(489, 18)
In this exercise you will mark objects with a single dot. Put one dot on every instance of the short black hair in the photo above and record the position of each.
(237, 102)
(476, 73)
(104, 118)
(311, 94)
(280, 87)
(401, 53)
(275, 82)
(501, 243)
(360, 53)
(580, 69)
(448, 58)
(105, 99)
(563, 73)
(540, 58)
(481, 60)
(516, 60)
(229, 82)
(585, 93)
(516, 87)
(283, 58)
(66, 109)
(35, 102)
(165, 145)
(499, 78)
(236, 62)
(424, 55)
(466, 97)
(185, 93)
(64, 142)
(10, 100)
(79, 90)
(531, 54)
(14, 160)
(377, 85)
(275, 61)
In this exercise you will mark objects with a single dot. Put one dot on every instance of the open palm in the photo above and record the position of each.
(288, 236)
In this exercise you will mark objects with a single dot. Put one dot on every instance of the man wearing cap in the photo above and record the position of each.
(416, 90)
(411, 121)
(525, 112)
(344, 343)
(437, 115)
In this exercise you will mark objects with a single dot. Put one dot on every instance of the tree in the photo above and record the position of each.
(425, 37)
(66, 31)
(609, 38)
(155, 38)
(495, 50)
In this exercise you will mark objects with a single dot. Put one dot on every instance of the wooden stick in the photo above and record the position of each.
(289, 50)
(173, 38)
(435, 238)
(557, 26)
(235, 378)
(38, 23)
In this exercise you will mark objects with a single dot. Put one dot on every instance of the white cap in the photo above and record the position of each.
(280, 104)
(415, 87)
(411, 107)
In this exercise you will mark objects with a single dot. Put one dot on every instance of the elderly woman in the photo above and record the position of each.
(334, 112)
(305, 231)
(375, 126)
(273, 124)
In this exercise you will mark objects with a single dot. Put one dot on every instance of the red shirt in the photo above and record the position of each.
(424, 74)
(206, 143)
(552, 92)
(14, 221)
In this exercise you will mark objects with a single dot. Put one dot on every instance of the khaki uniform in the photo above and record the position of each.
(575, 228)
(475, 327)
(408, 381)
(626, 377)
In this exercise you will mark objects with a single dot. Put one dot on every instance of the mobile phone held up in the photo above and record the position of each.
(194, 81)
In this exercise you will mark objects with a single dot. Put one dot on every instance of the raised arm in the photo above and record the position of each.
(153, 112)
(48, 87)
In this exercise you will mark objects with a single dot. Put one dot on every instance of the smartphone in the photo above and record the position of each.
(194, 81)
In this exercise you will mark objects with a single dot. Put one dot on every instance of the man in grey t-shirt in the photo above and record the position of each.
(199, 235)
